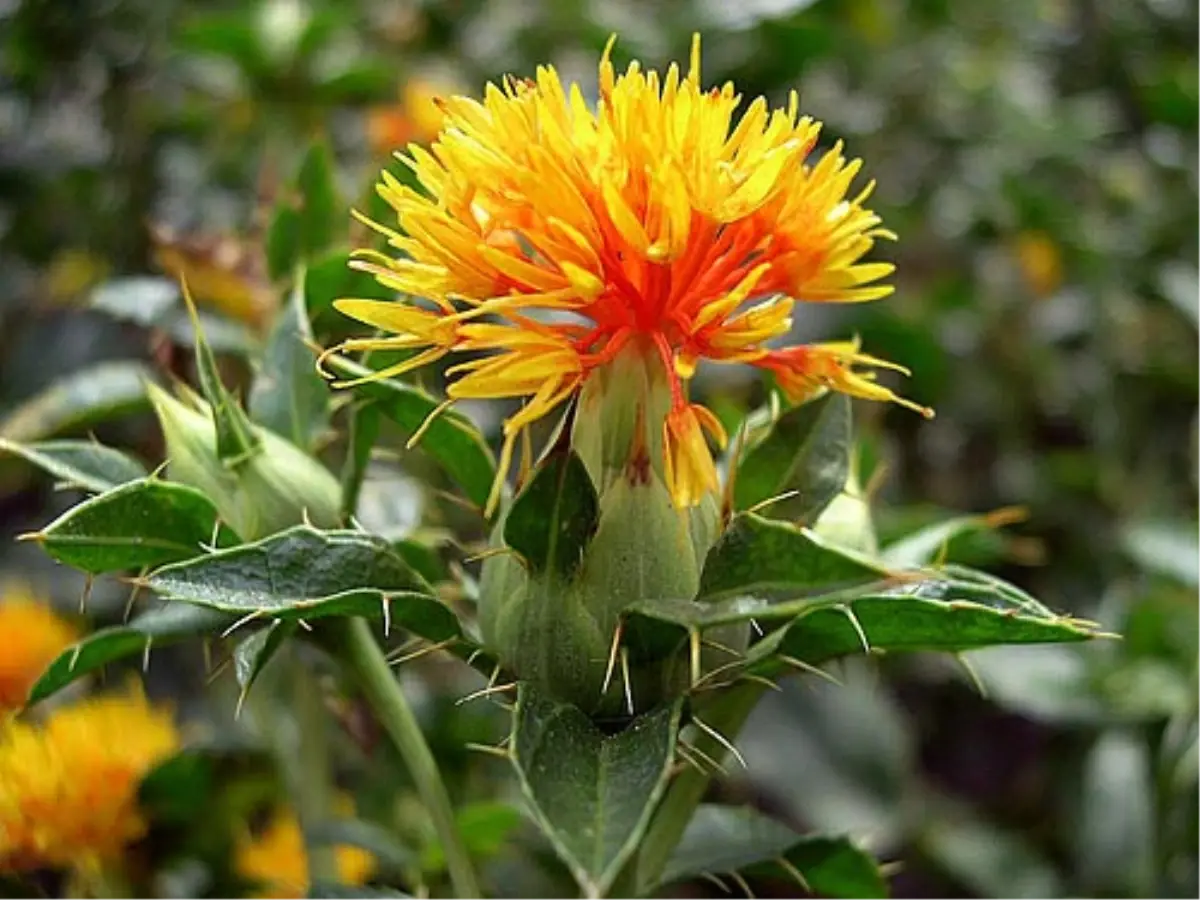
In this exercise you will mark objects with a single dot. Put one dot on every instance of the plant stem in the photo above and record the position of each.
(363, 656)
(725, 714)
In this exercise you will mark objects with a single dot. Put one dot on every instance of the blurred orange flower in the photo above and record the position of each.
(277, 860)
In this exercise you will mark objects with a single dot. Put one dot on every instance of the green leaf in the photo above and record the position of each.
(322, 890)
(305, 573)
(453, 442)
(362, 430)
(82, 464)
(172, 622)
(330, 278)
(726, 839)
(236, 440)
(553, 518)
(761, 556)
(143, 523)
(591, 793)
(946, 622)
(253, 653)
(80, 400)
(806, 450)
(923, 546)
(154, 302)
(289, 396)
(196, 784)
(484, 827)
(321, 209)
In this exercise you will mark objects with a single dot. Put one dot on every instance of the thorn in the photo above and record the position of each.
(858, 629)
(474, 655)
(736, 878)
(786, 865)
(891, 869)
(216, 533)
(206, 651)
(694, 641)
(86, 595)
(76, 650)
(735, 459)
(249, 617)
(424, 651)
(386, 602)
(626, 680)
(709, 876)
(403, 648)
(720, 739)
(771, 501)
(714, 673)
(690, 759)
(758, 629)
(237, 709)
(219, 670)
(133, 595)
(303, 623)
(146, 655)
(709, 642)
(614, 647)
(490, 552)
(490, 750)
(810, 669)
(32, 536)
(486, 692)
(712, 763)
(763, 680)
(972, 674)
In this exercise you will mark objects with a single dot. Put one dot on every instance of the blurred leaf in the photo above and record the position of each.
(423, 559)
(327, 891)
(252, 653)
(591, 793)
(152, 301)
(485, 827)
(759, 556)
(1114, 841)
(1050, 684)
(303, 573)
(452, 441)
(806, 450)
(283, 241)
(330, 278)
(142, 523)
(1166, 548)
(990, 861)
(321, 208)
(727, 839)
(922, 547)
(83, 464)
(79, 400)
(289, 396)
(230, 35)
(555, 514)
(156, 627)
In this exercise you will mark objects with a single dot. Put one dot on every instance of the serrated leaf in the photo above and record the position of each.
(139, 524)
(553, 517)
(725, 839)
(760, 556)
(288, 395)
(592, 794)
(151, 629)
(451, 440)
(252, 654)
(82, 464)
(306, 573)
(806, 450)
(76, 401)
(909, 622)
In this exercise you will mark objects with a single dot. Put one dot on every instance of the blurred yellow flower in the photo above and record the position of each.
(277, 860)
(1040, 262)
(657, 224)
(416, 118)
(68, 787)
(31, 636)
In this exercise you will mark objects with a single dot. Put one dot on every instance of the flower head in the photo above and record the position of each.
(68, 787)
(31, 635)
(658, 221)
(276, 859)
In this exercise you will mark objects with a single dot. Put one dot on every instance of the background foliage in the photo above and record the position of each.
(1037, 159)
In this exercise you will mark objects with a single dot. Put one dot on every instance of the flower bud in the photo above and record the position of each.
(558, 632)
(277, 487)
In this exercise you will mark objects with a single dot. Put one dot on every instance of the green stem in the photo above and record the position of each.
(726, 714)
(363, 656)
